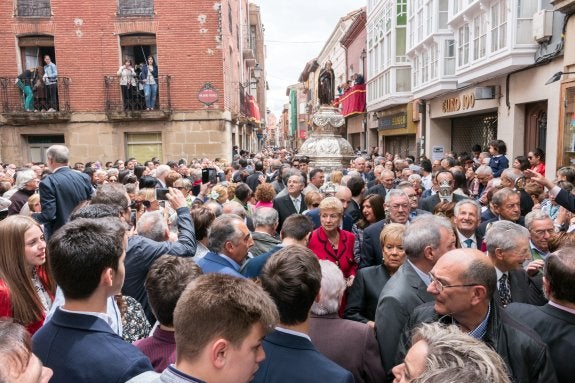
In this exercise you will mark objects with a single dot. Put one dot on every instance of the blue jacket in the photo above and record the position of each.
(144, 73)
(83, 348)
(215, 263)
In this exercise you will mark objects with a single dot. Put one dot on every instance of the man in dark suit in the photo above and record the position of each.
(555, 322)
(414, 212)
(287, 205)
(506, 204)
(357, 186)
(508, 248)
(350, 344)
(87, 259)
(397, 207)
(467, 220)
(256, 178)
(425, 241)
(61, 191)
(229, 241)
(292, 277)
(442, 177)
(386, 179)
(463, 283)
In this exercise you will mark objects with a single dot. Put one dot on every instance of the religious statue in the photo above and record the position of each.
(326, 82)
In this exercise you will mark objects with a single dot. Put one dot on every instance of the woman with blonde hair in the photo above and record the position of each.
(26, 284)
(219, 194)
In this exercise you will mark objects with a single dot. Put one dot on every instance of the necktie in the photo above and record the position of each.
(504, 293)
(296, 204)
(468, 242)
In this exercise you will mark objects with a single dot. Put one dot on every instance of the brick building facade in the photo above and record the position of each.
(197, 45)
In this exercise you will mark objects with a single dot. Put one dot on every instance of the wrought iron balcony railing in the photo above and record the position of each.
(17, 96)
(132, 99)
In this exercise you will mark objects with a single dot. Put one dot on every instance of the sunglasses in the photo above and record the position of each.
(314, 204)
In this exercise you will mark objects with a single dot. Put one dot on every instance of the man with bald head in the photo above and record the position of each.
(463, 283)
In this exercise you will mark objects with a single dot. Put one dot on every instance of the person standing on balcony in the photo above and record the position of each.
(25, 82)
(149, 77)
(127, 82)
(51, 82)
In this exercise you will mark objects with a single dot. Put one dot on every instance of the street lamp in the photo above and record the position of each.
(557, 76)
(257, 74)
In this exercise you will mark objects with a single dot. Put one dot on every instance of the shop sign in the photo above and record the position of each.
(455, 104)
(394, 121)
(208, 95)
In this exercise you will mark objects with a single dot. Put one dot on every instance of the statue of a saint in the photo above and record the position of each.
(326, 82)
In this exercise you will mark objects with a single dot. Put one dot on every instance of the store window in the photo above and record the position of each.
(144, 146)
(33, 8)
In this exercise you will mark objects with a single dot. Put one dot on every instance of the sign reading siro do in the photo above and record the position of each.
(455, 104)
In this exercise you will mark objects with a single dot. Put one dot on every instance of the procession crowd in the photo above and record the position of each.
(268, 269)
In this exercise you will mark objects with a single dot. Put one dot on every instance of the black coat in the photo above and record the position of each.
(363, 295)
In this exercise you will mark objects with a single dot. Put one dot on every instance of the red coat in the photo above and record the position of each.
(6, 306)
(320, 245)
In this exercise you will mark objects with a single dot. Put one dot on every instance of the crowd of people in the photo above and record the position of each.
(267, 269)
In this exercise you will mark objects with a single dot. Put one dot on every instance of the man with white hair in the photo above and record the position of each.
(541, 229)
(26, 185)
(467, 219)
(265, 223)
(350, 344)
(161, 173)
(61, 191)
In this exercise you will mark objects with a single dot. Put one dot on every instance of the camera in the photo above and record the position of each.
(161, 194)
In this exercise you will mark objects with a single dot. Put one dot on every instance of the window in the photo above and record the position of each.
(449, 58)
(429, 20)
(400, 44)
(443, 14)
(33, 8)
(136, 7)
(38, 145)
(33, 49)
(386, 83)
(433, 61)
(415, 73)
(463, 46)
(525, 11)
(401, 12)
(499, 26)
(138, 47)
(479, 37)
(425, 67)
(420, 24)
(144, 146)
(403, 83)
(230, 21)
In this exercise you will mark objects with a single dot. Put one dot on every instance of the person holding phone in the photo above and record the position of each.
(149, 76)
(127, 76)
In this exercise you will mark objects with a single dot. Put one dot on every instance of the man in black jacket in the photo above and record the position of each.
(463, 283)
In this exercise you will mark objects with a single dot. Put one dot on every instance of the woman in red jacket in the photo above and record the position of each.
(26, 283)
(332, 243)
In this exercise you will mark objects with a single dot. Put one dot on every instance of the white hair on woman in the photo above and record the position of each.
(331, 291)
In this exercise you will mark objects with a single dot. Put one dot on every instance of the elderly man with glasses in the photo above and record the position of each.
(463, 283)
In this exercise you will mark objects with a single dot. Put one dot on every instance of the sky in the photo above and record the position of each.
(295, 33)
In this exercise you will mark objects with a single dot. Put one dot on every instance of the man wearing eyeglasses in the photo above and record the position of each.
(463, 283)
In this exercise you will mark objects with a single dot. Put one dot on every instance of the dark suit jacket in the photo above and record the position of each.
(60, 193)
(284, 206)
(370, 252)
(567, 200)
(478, 238)
(557, 328)
(83, 348)
(354, 211)
(377, 189)
(292, 358)
(253, 267)
(215, 263)
(482, 229)
(430, 202)
(525, 289)
(404, 291)
(487, 215)
(347, 221)
(363, 295)
(350, 344)
(525, 354)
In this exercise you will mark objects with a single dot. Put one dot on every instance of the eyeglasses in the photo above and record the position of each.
(440, 286)
(542, 232)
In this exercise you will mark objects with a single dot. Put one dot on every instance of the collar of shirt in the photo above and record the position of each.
(105, 317)
(172, 374)
(561, 307)
(462, 238)
(543, 254)
(480, 331)
(424, 277)
(235, 265)
(499, 275)
(292, 332)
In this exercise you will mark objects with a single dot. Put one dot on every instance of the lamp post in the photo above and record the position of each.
(557, 76)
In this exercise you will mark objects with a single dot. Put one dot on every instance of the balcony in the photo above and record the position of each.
(134, 105)
(34, 104)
